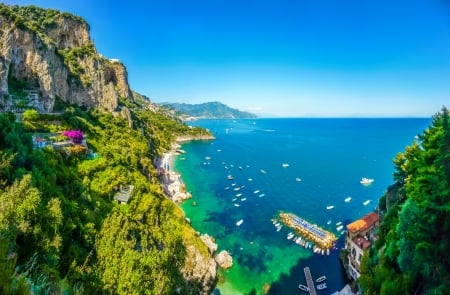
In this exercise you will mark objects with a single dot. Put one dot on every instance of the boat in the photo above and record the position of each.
(366, 202)
(347, 199)
(329, 221)
(322, 286)
(321, 279)
(250, 179)
(285, 165)
(238, 195)
(303, 288)
(330, 207)
(239, 222)
(237, 188)
(339, 227)
(290, 236)
(236, 205)
(366, 181)
(261, 195)
(243, 199)
(227, 188)
(298, 179)
(338, 223)
(230, 177)
(256, 191)
(263, 171)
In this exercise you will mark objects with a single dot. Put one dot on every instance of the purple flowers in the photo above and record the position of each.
(76, 136)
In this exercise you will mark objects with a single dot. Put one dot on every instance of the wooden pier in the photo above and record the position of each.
(309, 281)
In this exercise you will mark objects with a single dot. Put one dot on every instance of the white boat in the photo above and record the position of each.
(243, 199)
(230, 177)
(303, 288)
(366, 181)
(238, 195)
(256, 191)
(239, 222)
(234, 199)
(237, 188)
(329, 221)
(328, 251)
(236, 205)
(339, 227)
(227, 188)
(321, 279)
(285, 165)
(263, 171)
(322, 286)
(250, 179)
(290, 236)
(348, 199)
(261, 195)
(338, 223)
(366, 202)
(330, 207)
(298, 179)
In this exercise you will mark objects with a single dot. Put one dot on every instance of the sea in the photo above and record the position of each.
(298, 165)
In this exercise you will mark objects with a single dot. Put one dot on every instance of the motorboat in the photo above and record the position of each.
(239, 222)
(321, 279)
(348, 199)
(330, 207)
(322, 286)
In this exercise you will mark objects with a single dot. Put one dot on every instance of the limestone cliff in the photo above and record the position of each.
(50, 54)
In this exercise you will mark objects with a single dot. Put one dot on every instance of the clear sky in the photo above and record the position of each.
(280, 57)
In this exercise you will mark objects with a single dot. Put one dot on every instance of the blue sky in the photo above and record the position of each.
(280, 58)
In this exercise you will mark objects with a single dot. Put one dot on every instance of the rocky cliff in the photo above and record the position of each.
(50, 55)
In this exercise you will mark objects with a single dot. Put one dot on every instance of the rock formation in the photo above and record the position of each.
(56, 59)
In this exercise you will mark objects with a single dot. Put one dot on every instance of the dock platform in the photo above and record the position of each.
(322, 238)
(309, 281)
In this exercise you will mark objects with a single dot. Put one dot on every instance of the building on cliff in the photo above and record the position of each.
(360, 236)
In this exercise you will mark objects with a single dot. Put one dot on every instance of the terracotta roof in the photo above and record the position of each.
(364, 223)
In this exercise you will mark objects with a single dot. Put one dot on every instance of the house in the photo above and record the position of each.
(360, 236)
(38, 142)
(124, 194)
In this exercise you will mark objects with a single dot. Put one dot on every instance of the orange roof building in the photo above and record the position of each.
(364, 224)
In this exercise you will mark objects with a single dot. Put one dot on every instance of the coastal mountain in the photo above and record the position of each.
(75, 140)
(208, 110)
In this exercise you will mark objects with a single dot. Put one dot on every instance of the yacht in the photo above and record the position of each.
(366, 181)
(330, 207)
(348, 199)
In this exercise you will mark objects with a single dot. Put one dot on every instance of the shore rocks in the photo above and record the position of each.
(224, 259)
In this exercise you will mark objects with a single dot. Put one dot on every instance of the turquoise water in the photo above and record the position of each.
(330, 156)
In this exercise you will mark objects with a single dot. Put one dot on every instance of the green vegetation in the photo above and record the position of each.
(61, 231)
(411, 253)
(72, 57)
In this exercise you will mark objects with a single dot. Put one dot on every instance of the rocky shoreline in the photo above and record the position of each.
(175, 189)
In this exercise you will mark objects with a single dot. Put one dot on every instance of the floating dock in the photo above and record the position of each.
(322, 238)
(309, 281)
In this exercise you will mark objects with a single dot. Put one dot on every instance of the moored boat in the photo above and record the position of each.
(322, 286)
(239, 222)
(348, 199)
(330, 207)
(303, 288)
(321, 279)
(366, 202)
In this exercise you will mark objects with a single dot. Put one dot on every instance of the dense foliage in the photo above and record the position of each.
(411, 254)
(60, 229)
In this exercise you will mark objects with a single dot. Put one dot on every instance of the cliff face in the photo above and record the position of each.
(57, 60)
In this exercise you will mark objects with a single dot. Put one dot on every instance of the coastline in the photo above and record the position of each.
(175, 190)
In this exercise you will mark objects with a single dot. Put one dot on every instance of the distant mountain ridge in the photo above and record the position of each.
(208, 110)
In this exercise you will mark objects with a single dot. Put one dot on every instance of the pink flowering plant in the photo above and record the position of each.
(76, 136)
